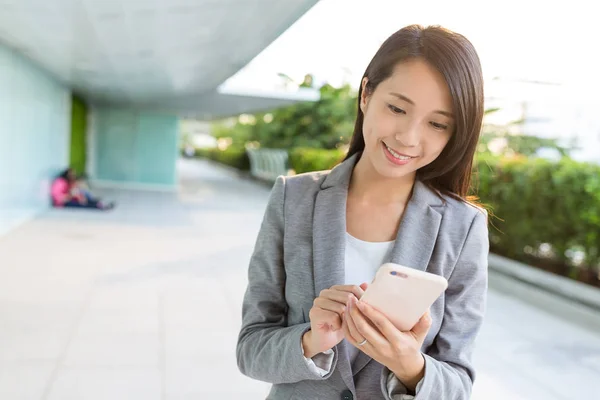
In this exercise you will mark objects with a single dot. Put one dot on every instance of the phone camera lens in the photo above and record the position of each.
(393, 273)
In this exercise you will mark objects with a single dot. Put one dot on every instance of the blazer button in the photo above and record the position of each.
(347, 395)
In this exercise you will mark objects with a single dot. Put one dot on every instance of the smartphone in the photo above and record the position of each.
(403, 294)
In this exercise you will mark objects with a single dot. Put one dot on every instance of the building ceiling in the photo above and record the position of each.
(226, 103)
(142, 51)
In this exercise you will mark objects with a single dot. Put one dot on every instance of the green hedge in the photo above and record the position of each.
(301, 159)
(233, 156)
(307, 159)
(532, 202)
(539, 202)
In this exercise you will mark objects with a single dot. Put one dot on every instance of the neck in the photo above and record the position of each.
(369, 186)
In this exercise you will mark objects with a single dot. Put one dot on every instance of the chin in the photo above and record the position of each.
(387, 170)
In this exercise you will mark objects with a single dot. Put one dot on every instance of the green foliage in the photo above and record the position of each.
(329, 123)
(239, 133)
(532, 201)
(307, 159)
(538, 201)
(524, 145)
(542, 209)
(509, 140)
(234, 156)
(326, 124)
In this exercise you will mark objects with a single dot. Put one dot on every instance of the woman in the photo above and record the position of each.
(400, 196)
(66, 192)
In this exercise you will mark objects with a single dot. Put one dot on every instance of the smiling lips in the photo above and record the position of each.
(395, 157)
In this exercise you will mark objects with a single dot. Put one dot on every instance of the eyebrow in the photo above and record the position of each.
(409, 101)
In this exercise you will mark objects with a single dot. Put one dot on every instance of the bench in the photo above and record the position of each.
(268, 164)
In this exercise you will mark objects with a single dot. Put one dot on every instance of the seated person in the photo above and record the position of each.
(66, 191)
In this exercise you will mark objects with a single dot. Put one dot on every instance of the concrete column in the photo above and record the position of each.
(134, 149)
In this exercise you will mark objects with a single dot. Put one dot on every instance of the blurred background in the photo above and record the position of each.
(184, 112)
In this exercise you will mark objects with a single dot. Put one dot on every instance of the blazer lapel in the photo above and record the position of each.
(329, 244)
(415, 240)
(418, 229)
(329, 229)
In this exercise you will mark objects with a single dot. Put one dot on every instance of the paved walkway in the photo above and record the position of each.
(144, 304)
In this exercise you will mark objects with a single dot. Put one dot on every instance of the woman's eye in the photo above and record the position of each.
(396, 110)
(439, 127)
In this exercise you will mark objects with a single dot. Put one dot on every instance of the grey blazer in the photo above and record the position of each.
(300, 251)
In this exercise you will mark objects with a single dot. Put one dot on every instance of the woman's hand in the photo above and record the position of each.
(326, 319)
(397, 350)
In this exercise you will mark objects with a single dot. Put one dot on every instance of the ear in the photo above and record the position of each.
(364, 96)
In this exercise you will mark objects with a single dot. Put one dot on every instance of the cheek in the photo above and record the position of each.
(376, 127)
(369, 132)
(435, 143)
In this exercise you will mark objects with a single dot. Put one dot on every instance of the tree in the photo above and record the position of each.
(327, 123)
(509, 140)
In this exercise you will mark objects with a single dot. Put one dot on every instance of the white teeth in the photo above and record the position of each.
(396, 155)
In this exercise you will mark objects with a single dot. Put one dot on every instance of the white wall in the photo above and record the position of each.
(134, 149)
(34, 137)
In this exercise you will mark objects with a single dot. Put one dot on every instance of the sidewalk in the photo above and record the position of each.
(144, 303)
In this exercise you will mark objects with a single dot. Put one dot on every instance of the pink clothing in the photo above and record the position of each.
(59, 192)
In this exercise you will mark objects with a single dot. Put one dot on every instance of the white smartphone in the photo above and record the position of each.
(403, 294)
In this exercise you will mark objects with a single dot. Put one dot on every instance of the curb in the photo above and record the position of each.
(566, 288)
(240, 173)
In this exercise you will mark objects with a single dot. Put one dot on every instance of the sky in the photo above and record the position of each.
(515, 39)
(552, 42)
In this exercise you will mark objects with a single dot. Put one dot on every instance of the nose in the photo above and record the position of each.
(409, 135)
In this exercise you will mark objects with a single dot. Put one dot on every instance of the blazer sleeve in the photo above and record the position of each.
(449, 370)
(268, 349)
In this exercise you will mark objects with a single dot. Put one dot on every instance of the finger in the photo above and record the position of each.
(364, 286)
(339, 296)
(324, 318)
(380, 321)
(364, 327)
(330, 305)
(354, 289)
(421, 328)
(352, 335)
(346, 329)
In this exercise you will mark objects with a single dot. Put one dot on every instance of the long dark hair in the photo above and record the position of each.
(456, 59)
(66, 174)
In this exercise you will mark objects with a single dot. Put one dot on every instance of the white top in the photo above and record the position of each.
(363, 259)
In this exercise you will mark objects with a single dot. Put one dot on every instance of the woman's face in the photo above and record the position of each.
(407, 119)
